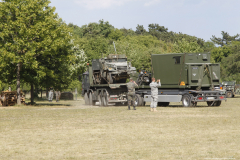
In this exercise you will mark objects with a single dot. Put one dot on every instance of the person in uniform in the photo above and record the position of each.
(154, 94)
(50, 94)
(57, 93)
(131, 93)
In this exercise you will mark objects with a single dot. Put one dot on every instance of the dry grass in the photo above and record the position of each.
(71, 130)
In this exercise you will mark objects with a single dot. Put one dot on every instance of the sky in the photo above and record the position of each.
(200, 18)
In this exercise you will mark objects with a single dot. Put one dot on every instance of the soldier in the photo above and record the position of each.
(131, 93)
(57, 93)
(50, 94)
(154, 94)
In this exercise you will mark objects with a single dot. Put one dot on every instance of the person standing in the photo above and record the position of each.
(131, 93)
(50, 94)
(154, 94)
(57, 93)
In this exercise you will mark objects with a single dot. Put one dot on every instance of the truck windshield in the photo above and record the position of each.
(116, 60)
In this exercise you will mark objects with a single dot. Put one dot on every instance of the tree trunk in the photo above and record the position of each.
(18, 85)
(32, 94)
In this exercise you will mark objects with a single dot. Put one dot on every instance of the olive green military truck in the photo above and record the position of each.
(186, 77)
(112, 69)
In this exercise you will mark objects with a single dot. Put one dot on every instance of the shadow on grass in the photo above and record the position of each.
(39, 104)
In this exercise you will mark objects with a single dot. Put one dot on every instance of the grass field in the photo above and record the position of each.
(71, 130)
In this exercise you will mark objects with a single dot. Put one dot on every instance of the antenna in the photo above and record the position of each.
(114, 47)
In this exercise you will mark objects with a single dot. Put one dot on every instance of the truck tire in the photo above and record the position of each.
(138, 100)
(210, 103)
(90, 99)
(229, 94)
(186, 101)
(100, 99)
(86, 99)
(217, 103)
(105, 99)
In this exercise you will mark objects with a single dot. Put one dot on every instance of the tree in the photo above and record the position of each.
(97, 29)
(33, 40)
(140, 30)
(220, 52)
(185, 47)
(230, 65)
(156, 30)
(226, 39)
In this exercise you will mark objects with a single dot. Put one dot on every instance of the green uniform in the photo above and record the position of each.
(131, 94)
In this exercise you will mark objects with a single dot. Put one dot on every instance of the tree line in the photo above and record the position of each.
(39, 49)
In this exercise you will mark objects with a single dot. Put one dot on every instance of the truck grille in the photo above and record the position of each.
(122, 67)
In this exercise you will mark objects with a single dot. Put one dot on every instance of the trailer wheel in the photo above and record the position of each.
(86, 98)
(100, 99)
(186, 100)
(229, 94)
(218, 103)
(138, 100)
(210, 103)
(90, 99)
(105, 99)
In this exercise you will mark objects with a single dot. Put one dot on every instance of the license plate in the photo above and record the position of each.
(209, 98)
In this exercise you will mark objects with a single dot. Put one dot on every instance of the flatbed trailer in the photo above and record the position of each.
(186, 96)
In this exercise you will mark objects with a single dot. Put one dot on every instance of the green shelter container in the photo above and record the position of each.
(185, 70)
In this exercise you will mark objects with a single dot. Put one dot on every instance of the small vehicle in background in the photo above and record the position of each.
(230, 87)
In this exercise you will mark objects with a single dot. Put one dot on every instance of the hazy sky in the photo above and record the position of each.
(200, 18)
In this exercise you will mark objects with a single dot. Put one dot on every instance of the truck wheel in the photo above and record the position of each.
(90, 99)
(210, 103)
(229, 94)
(186, 101)
(138, 100)
(217, 103)
(86, 99)
(100, 99)
(105, 99)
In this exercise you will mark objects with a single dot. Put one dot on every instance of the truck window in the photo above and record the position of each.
(177, 59)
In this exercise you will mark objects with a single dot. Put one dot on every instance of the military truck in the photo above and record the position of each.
(186, 77)
(105, 80)
(112, 69)
(230, 87)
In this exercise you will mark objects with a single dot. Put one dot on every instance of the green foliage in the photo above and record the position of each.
(32, 35)
(230, 65)
(140, 30)
(226, 39)
(219, 53)
(184, 46)
(116, 34)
